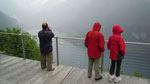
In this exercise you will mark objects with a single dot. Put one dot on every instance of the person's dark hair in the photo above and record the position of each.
(44, 25)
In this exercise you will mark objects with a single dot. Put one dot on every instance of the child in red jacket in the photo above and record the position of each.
(117, 49)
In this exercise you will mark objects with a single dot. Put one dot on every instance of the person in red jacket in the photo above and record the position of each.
(94, 41)
(117, 49)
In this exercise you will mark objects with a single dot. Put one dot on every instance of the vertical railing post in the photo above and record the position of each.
(57, 53)
(102, 60)
(23, 48)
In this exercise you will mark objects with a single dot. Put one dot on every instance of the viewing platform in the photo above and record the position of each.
(14, 70)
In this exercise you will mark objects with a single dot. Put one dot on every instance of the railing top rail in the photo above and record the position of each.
(73, 38)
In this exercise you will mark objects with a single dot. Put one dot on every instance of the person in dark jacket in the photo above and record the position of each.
(94, 41)
(117, 49)
(45, 38)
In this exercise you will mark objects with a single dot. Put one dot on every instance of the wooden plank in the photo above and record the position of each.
(6, 60)
(23, 71)
(28, 76)
(3, 81)
(12, 62)
(105, 80)
(35, 77)
(25, 75)
(17, 72)
(148, 80)
(38, 77)
(14, 67)
(79, 76)
(45, 76)
(144, 81)
(1, 54)
(51, 77)
(74, 77)
(4, 57)
(58, 77)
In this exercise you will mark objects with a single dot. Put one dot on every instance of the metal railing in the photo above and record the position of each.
(71, 51)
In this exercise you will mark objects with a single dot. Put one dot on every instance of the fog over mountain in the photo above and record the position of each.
(76, 17)
(6, 21)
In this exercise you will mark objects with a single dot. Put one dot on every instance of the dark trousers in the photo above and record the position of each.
(112, 67)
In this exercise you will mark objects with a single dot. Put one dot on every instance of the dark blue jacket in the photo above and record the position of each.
(45, 38)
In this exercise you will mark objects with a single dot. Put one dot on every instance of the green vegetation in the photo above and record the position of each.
(121, 72)
(108, 69)
(148, 77)
(137, 74)
(104, 70)
(11, 44)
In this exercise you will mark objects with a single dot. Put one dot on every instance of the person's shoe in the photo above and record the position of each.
(51, 69)
(98, 78)
(89, 76)
(111, 78)
(118, 79)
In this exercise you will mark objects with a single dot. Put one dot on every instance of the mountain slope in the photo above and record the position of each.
(6, 21)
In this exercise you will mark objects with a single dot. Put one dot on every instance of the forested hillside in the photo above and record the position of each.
(12, 45)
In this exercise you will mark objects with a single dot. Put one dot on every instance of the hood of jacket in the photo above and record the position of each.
(117, 29)
(97, 26)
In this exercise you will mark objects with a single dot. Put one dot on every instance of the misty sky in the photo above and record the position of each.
(77, 16)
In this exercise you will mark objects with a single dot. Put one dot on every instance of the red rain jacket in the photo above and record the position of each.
(94, 41)
(116, 42)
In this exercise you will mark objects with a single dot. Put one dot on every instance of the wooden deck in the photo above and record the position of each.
(15, 70)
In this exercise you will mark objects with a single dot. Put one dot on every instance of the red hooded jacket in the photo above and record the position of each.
(116, 42)
(94, 41)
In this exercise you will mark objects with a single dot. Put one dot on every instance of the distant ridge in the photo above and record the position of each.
(6, 21)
